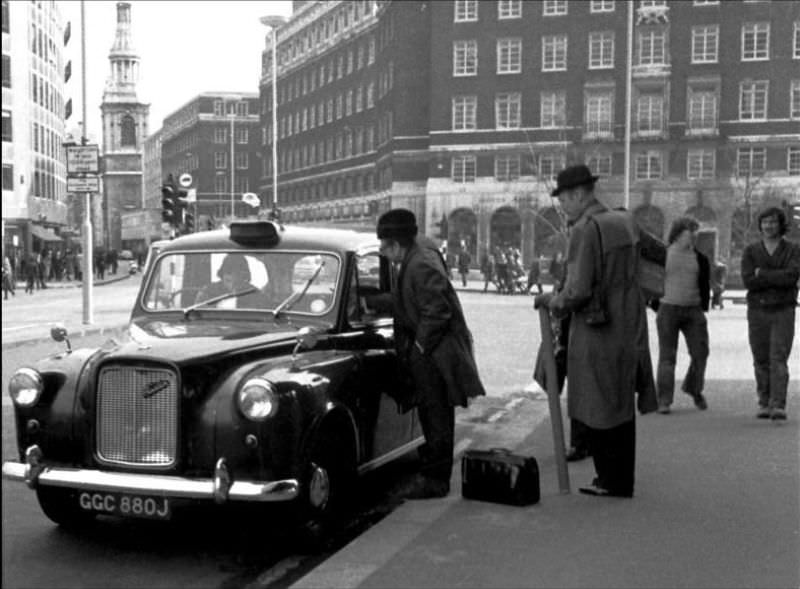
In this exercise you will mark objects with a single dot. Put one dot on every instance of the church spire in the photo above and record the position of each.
(121, 83)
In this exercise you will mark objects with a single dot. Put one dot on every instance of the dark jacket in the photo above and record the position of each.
(430, 329)
(776, 283)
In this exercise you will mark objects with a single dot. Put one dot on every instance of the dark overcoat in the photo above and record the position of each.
(434, 344)
(607, 364)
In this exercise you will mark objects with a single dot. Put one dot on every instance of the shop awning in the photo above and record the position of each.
(44, 233)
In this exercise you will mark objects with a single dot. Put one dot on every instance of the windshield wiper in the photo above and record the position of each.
(289, 301)
(217, 299)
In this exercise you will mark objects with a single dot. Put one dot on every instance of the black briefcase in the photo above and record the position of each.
(499, 476)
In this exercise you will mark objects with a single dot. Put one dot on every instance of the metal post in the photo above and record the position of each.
(87, 203)
(628, 76)
(274, 119)
(232, 114)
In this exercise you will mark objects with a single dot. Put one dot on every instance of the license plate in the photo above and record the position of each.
(126, 505)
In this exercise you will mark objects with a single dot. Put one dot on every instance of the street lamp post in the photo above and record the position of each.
(232, 115)
(274, 21)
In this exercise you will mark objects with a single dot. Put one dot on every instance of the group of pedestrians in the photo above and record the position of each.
(602, 311)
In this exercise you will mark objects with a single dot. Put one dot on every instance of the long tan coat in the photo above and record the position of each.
(430, 330)
(606, 364)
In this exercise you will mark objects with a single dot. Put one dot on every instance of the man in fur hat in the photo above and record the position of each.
(434, 346)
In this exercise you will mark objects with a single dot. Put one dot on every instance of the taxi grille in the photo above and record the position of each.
(137, 415)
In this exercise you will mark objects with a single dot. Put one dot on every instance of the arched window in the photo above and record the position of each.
(128, 129)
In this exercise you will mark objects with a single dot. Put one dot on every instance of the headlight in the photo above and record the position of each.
(25, 387)
(257, 399)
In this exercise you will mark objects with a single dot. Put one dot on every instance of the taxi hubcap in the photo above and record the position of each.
(319, 488)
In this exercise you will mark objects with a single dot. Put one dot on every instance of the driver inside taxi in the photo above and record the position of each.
(234, 277)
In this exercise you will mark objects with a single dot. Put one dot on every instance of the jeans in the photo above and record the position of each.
(691, 321)
(771, 332)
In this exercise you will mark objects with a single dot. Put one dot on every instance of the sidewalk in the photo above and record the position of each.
(715, 506)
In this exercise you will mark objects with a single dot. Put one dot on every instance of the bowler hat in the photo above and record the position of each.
(573, 176)
(397, 223)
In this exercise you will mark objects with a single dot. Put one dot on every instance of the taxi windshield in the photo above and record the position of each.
(236, 280)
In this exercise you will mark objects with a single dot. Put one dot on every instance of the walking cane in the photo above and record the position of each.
(553, 399)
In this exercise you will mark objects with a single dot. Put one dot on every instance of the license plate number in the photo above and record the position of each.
(126, 505)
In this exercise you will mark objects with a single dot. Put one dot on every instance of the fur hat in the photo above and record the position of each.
(397, 223)
(573, 176)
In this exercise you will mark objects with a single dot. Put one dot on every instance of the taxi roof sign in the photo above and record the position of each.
(257, 233)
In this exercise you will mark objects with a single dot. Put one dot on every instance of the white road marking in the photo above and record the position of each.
(513, 403)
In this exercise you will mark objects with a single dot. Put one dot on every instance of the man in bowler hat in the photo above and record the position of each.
(608, 356)
(433, 344)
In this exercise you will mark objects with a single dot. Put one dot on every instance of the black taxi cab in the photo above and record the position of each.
(251, 372)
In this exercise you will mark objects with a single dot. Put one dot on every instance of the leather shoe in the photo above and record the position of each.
(596, 490)
(575, 454)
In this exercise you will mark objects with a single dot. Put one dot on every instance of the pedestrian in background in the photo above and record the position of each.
(770, 272)
(433, 344)
(557, 270)
(487, 269)
(607, 333)
(8, 278)
(464, 260)
(31, 272)
(719, 274)
(534, 275)
(501, 269)
(682, 309)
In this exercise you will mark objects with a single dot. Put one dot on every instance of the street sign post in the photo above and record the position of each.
(88, 183)
(83, 159)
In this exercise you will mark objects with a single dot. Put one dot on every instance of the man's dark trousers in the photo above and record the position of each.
(437, 419)
(614, 454)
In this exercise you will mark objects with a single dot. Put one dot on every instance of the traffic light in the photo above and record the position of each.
(188, 222)
(169, 203)
(442, 225)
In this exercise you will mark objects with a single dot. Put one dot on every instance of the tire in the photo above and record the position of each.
(329, 485)
(61, 506)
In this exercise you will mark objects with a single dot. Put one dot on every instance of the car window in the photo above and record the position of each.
(253, 280)
(365, 285)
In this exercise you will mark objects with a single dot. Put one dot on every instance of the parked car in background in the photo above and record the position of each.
(279, 390)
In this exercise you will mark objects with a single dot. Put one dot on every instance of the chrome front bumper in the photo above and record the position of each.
(221, 488)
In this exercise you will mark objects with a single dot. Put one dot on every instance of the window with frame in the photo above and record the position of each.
(793, 161)
(463, 168)
(648, 165)
(702, 110)
(339, 106)
(550, 164)
(796, 44)
(755, 41)
(465, 58)
(599, 164)
(794, 100)
(554, 53)
(599, 114)
(700, 164)
(243, 135)
(507, 110)
(6, 70)
(242, 108)
(509, 56)
(7, 133)
(506, 168)
(652, 47)
(554, 8)
(242, 183)
(348, 103)
(220, 135)
(601, 6)
(465, 11)
(553, 109)
(8, 177)
(509, 9)
(650, 114)
(242, 160)
(705, 44)
(220, 184)
(465, 113)
(371, 51)
(219, 108)
(329, 114)
(371, 95)
(220, 160)
(360, 99)
(601, 50)
(753, 100)
(751, 161)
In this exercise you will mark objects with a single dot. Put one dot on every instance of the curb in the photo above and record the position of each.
(111, 330)
(57, 285)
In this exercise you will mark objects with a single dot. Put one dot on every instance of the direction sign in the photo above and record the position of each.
(185, 180)
(82, 159)
(83, 184)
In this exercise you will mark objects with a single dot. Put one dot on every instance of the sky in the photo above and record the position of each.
(185, 48)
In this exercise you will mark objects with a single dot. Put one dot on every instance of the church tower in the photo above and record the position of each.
(124, 132)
